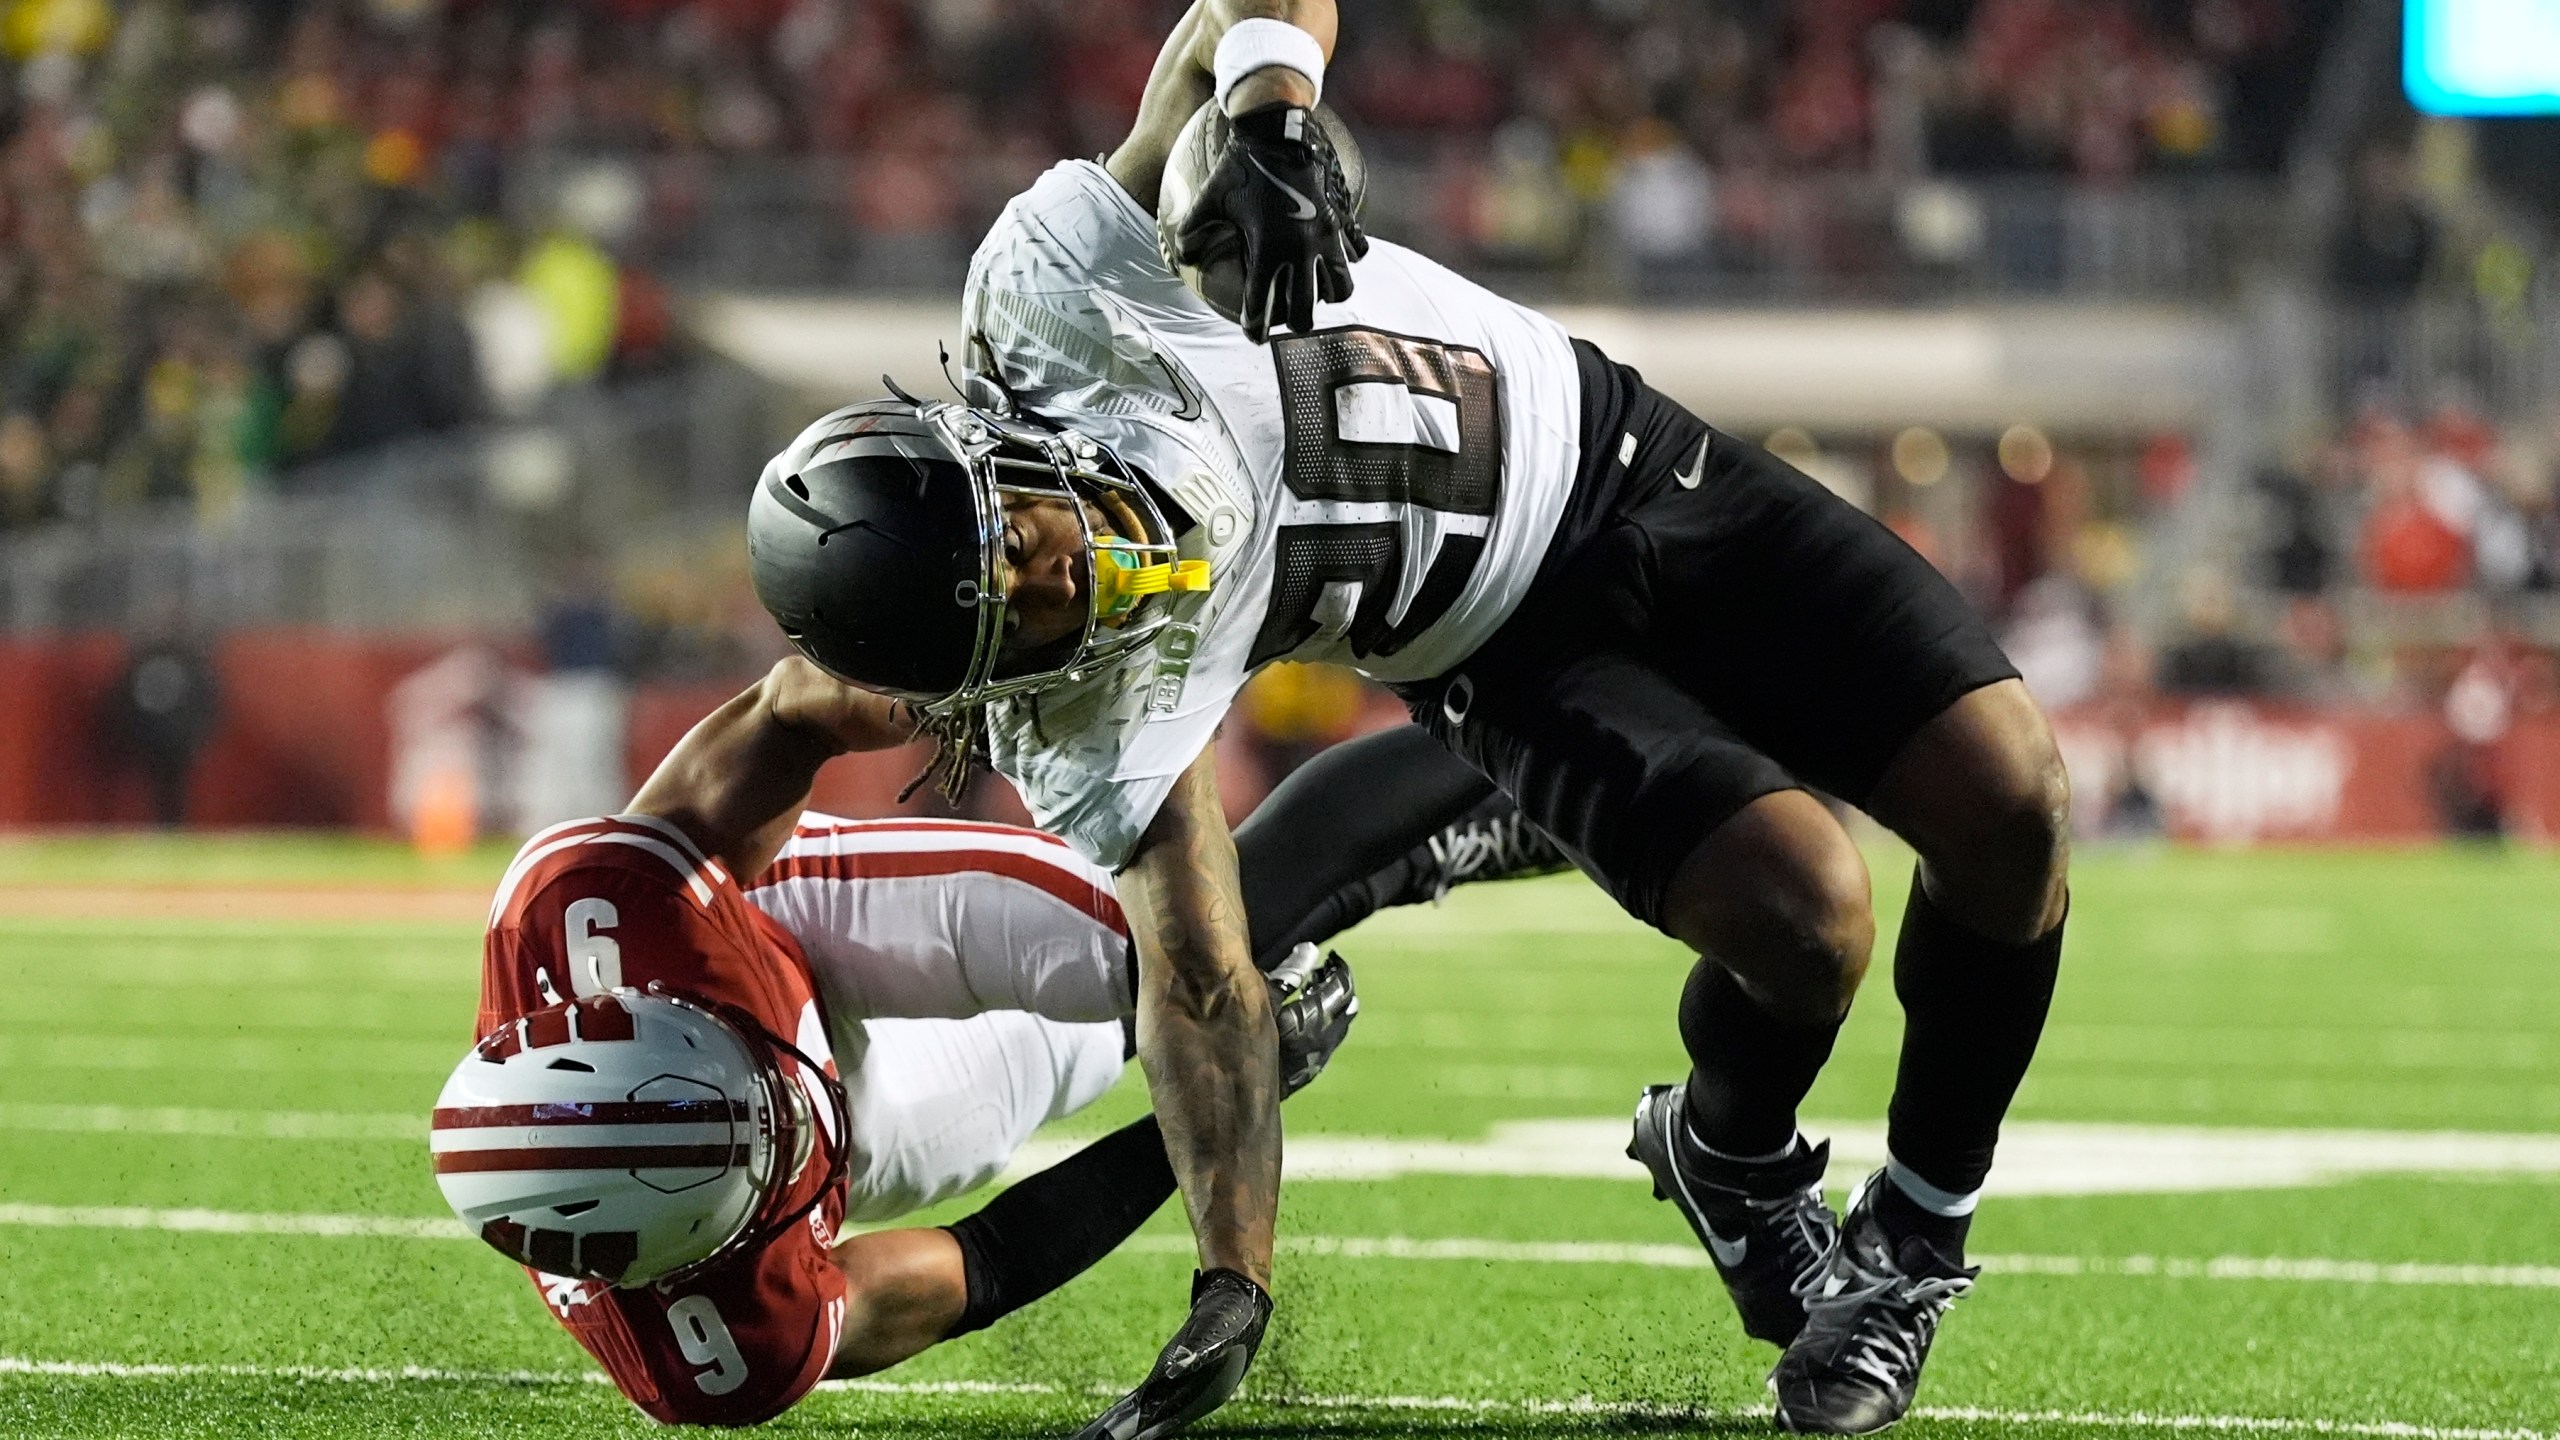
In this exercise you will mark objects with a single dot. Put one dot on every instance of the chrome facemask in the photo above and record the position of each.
(1010, 457)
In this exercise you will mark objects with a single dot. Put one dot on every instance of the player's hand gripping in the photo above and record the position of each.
(1279, 197)
(1200, 1367)
(1313, 1004)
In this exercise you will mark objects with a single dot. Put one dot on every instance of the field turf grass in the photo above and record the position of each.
(255, 1067)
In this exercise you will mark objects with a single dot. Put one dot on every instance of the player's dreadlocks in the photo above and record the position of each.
(959, 745)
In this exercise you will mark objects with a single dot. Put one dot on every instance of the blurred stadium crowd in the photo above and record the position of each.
(248, 248)
(238, 236)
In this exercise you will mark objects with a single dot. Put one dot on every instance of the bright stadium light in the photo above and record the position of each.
(2483, 57)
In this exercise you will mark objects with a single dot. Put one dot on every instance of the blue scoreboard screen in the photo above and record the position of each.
(2483, 57)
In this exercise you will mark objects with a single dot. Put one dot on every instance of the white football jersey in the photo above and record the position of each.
(1377, 493)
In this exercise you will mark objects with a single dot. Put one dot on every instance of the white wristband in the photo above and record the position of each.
(1251, 45)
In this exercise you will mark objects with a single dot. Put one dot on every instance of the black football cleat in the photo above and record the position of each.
(1202, 1365)
(1869, 1320)
(1312, 1006)
(1494, 842)
(1765, 1226)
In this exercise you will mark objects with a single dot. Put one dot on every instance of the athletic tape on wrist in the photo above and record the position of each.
(1249, 45)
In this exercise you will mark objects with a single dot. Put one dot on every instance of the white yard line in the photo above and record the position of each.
(1461, 1404)
(351, 1375)
(224, 1124)
(1689, 1257)
(313, 1052)
(233, 1222)
(2036, 1157)
(1388, 1247)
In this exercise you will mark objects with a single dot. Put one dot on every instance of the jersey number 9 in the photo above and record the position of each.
(705, 1340)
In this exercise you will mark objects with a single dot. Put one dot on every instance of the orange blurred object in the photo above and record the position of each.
(394, 158)
(447, 817)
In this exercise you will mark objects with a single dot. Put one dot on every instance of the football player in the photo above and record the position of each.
(717, 1030)
(1662, 642)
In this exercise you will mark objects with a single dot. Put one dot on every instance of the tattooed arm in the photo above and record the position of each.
(1205, 1033)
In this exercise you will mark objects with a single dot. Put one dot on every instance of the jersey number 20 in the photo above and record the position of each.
(1395, 455)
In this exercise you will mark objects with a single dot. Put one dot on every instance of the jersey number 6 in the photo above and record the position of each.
(1394, 463)
(595, 961)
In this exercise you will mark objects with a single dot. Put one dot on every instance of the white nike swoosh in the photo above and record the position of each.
(1728, 1253)
(1306, 208)
(1688, 479)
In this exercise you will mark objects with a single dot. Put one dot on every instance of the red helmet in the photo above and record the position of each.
(632, 1137)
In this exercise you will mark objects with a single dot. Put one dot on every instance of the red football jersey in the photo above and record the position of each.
(628, 900)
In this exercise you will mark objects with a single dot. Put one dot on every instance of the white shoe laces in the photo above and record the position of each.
(1808, 1234)
(1487, 847)
(1893, 1315)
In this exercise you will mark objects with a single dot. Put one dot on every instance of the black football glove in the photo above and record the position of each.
(1312, 1005)
(1278, 196)
(1200, 1367)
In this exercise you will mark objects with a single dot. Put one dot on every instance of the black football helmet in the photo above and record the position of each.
(876, 539)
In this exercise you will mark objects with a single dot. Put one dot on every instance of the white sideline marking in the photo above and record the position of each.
(2036, 1158)
(1464, 1404)
(1690, 1257)
(351, 1375)
(227, 1124)
(1386, 1247)
(232, 1222)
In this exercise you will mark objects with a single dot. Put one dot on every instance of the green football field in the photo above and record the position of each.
(2288, 1165)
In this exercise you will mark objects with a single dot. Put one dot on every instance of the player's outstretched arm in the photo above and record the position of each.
(737, 781)
(1207, 1042)
(1205, 1035)
(904, 1292)
(1276, 198)
(1186, 70)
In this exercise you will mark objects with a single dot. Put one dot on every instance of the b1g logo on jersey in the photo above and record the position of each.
(1394, 461)
(1175, 649)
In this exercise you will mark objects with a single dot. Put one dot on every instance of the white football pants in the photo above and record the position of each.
(972, 977)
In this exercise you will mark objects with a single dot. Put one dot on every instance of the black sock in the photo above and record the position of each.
(1308, 858)
(1973, 1009)
(1901, 1216)
(1749, 1069)
(1051, 1228)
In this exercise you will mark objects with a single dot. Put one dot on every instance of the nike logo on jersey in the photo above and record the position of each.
(1181, 386)
(1306, 208)
(1688, 479)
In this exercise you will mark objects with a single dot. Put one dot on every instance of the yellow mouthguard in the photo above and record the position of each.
(1120, 582)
